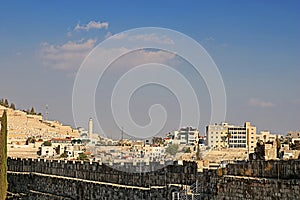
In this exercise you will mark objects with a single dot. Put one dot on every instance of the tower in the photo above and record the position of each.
(47, 112)
(90, 131)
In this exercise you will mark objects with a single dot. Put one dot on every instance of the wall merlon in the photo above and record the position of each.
(91, 180)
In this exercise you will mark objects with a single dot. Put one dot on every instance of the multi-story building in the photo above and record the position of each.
(216, 135)
(185, 135)
(226, 135)
(293, 134)
(266, 136)
(293, 137)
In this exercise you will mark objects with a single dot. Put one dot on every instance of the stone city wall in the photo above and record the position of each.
(175, 174)
(41, 186)
(288, 169)
(273, 179)
(44, 179)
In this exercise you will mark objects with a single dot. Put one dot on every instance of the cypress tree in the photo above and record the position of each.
(32, 112)
(6, 103)
(12, 106)
(3, 157)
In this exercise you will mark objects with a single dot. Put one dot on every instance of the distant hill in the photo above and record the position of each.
(22, 125)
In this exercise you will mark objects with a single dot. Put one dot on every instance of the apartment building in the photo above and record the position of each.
(225, 135)
(185, 136)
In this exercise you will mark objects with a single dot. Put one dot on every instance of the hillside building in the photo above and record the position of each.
(225, 135)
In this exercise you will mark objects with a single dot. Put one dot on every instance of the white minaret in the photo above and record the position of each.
(90, 128)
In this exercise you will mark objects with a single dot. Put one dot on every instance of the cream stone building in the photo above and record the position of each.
(225, 135)
(266, 136)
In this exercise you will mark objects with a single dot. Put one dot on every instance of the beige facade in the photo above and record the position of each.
(225, 135)
(266, 136)
(216, 135)
(293, 134)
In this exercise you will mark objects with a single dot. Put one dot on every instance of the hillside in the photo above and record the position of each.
(22, 125)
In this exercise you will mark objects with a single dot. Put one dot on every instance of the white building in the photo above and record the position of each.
(225, 135)
(155, 153)
(216, 135)
(185, 135)
(47, 151)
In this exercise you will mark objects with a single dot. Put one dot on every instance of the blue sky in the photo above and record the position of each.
(255, 45)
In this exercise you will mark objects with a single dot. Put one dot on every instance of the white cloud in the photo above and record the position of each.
(210, 38)
(146, 56)
(91, 25)
(67, 56)
(107, 35)
(160, 39)
(152, 38)
(69, 34)
(260, 103)
(131, 59)
(70, 55)
(119, 36)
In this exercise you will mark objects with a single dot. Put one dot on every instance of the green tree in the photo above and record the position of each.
(64, 155)
(12, 106)
(3, 157)
(32, 112)
(47, 143)
(30, 140)
(82, 156)
(157, 140)
(187, 150)
(172, 149)
(6, 103)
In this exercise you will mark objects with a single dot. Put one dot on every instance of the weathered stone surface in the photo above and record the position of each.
(76, 180)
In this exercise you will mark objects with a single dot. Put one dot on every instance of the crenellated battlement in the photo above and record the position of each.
(42, 178)
(160, 175)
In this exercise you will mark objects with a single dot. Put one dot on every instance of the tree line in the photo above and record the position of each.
(5, 103)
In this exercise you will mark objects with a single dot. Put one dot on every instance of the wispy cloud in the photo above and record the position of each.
(213, 42)
(160, 39)
(146, 56)
(107, 35)
(91, 25)
(67, 56)
(152, 38)
(69, 34)
(210, 38)
(256, 102)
